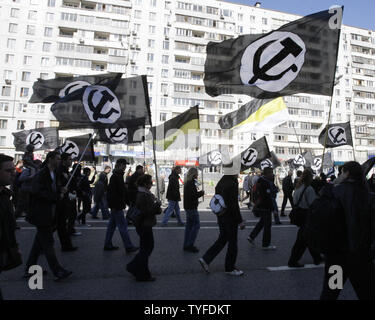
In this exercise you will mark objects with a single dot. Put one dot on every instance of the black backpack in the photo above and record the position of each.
(325, 229)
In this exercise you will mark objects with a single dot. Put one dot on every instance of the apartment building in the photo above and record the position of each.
(166, 40)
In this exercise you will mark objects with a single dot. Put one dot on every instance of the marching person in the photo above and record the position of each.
(117, 200)
(85, 194)
(304, 195)
(228, 222)
(357, 207)
(149, 207)
(173, 196)
(132, 184)
(191, 196)
(162, 188)
(100, 195)
(44, 198)
(7, 219)
(288, 188)
(265, 205)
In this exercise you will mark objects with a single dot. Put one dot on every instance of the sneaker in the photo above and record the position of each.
(111, 248)
(269, 248)
(130, 250)
(62, 274)
(251, 241)
(204, 265)
(295, 265)
(235, 272)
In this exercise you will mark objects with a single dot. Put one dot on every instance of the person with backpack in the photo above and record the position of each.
(148, 207)
(263, 207)
(288, 188)
(303, 197)
(229, 220)
(355, 216)
(191, 196)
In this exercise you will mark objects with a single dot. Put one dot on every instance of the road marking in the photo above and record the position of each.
(284, 268)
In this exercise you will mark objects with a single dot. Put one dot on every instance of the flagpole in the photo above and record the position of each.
(299, 145)
(92, 136)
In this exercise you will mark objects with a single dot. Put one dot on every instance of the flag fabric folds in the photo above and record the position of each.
(97, 101)
(212, 158)
(272, 162)
(298, 57)
(305, 159)
(75, 146)
(256, 115)
(129, 136)
(317, 162)
(367, 165)
(339, 134)
(41, 138)
(180, 132)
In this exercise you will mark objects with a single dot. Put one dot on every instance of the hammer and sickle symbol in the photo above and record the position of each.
(290, 47)
(35, 140)
(106, 96)
(250, 156)
(336, 139)
(114, 133)
(71, 146)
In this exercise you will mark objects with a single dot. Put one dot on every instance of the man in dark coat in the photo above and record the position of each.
(288, 188)
(228, 222)
(7, 219)
(132, 186)
(117, 196)
(173, 196)
(43, 200)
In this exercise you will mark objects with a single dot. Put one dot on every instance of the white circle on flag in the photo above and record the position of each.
(299, 160)
(101, 105)
(249, 157)
(71, 148)
(317, 164)
(337, 135)
(36, 139)
(73, 86)
(117, 135)
(273, 61)
(266, 164)
(215, 158)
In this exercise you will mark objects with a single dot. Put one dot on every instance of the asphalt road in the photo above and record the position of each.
(99, 274)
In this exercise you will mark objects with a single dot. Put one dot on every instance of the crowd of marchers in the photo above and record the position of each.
(54, 196)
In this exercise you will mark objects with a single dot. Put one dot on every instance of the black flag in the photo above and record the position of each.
(300, 56)
(317, 162)
(253, 155)
(41, 138)
(212, 158)
(339, 134)
(75, 147)
(97, 101)
(272, 162)
(367, 165)
(129, 136)
(306, 160)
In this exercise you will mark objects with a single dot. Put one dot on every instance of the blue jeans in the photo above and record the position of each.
(192, 227)
(118, 219)
(103, 206)
(172, 206)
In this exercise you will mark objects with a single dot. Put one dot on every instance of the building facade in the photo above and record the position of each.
(166, 39)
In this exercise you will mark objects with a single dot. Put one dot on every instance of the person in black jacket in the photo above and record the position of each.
(85, 193)
(44, 197)
(117, 200)
(264, 204)
(288, 188)
(173, 196)
(354, 257)
(148, 207)
(228, 222)
(132, 184)
(7, 219)
(191, 196)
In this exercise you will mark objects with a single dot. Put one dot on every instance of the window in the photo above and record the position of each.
(149, 85)
(47, 46)
(5, 91)
(13, 28)
(150, 57)
(24, 92)
(166, 45)
(264, 21)
(48, 32)
(3, 140)
(137, 14)
(152, 3)
(14, 12)
(40, 108)
(27, 60)
(29, 45)
(44, 62)
(30, 30)
(39, 124)
(132, 100)
(164, 73)
(150, 71)
(163, 102)
(8, 74)
(11, 43)
(49, 17)
(163, 117)
(32, 15)
(151, 43)
(280, 150)
(152, 16)
(3, 124)
(4, 106)
(279, 137)
(164, 59)
(210, 118)
(21, 124)
(166, 31)
(26, 76)
(151, 29)
(51, 3)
